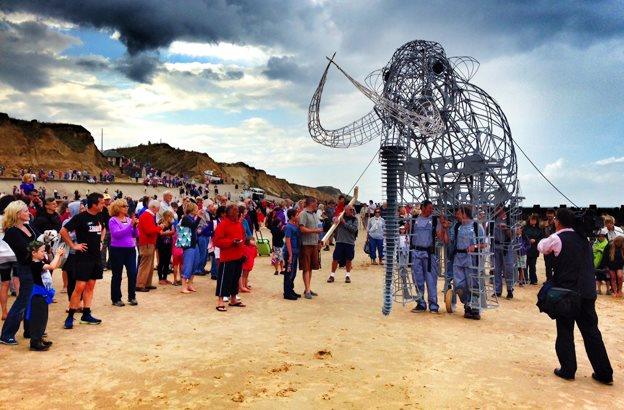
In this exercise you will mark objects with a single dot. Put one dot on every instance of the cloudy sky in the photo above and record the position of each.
(233, 78)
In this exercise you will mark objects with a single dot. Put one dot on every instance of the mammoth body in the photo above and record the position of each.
(442, 138)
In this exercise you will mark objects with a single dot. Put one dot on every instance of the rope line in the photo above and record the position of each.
(363, 172)
(542, 174)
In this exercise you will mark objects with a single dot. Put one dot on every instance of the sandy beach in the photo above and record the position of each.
(335, 351)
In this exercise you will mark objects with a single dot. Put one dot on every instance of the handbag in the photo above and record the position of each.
(558, 303)
(6, 253)
(367, 246)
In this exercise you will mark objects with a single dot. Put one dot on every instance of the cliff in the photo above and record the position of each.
(49, 146)
(61, 147)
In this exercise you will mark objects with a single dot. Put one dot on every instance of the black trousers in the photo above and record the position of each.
(38, 318)
(531, 267)
(70, 268)
(120, 257)
(228, 274)
(587, 322)
(164, 258)
(549, 261)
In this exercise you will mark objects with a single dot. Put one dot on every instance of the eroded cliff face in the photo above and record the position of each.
(48, 146)
(62, 147)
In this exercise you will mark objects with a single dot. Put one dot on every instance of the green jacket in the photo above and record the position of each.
(598, 248)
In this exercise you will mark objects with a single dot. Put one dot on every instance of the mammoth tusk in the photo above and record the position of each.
(358, 132)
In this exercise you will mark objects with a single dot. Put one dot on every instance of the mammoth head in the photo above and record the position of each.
(419, 75)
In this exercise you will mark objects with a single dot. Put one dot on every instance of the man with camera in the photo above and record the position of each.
(574, 271)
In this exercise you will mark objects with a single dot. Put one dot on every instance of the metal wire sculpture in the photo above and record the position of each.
(442, 139)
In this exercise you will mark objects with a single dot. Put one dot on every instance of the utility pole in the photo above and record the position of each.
(102, 140)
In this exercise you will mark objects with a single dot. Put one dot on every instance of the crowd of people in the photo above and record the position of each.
(193, 236)
(29, 175)
(197, 236)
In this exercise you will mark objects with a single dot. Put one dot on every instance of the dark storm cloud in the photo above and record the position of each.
(27, 53)
(139, 67)
(148, 25)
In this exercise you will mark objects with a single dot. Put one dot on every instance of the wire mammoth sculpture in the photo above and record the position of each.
(442, 138)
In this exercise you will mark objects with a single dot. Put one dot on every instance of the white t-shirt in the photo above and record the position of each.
(617, 231)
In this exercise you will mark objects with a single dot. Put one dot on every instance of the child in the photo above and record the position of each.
(27, 185)
(598, 248)
(291, 255)
(277, 239)
(523, 244)
(250, 253)
(42, 294)
(177, 257)
(165, 247)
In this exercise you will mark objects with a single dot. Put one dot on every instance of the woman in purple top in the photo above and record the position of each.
(122, 251)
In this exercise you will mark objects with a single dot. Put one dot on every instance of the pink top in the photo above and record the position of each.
(552, 244)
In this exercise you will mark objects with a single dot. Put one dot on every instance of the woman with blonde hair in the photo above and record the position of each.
(18, 234)
(123, 232)
(7, 266)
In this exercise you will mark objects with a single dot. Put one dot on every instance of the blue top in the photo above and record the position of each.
(248, 231)
(292, 231)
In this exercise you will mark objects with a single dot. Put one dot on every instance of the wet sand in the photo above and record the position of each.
(335, 351)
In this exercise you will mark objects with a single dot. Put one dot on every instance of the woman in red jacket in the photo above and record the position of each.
(229, 237)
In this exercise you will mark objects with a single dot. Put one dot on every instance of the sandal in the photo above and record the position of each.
(238, 304)
(221, 308)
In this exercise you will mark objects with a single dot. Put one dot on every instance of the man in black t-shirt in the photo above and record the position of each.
(88, 263)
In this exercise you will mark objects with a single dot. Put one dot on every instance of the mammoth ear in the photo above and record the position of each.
(464, 66)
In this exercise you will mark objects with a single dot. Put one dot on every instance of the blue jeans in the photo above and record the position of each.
(213, 266)
(120, 257)
(376, 247)
(188, 262)
(202, 254)
(290, 274)
(16, 313)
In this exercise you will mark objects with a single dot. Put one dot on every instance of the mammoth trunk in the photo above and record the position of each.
(392, 158)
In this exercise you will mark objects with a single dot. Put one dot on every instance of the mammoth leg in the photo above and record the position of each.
(391, 162)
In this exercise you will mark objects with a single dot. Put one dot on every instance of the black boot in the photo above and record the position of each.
(38, 346)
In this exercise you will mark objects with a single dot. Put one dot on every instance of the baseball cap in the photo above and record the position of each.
(106, 196)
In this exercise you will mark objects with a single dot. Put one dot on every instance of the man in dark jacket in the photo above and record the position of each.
(48, 219)
(574, 270)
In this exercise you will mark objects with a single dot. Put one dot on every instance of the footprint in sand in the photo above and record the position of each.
(286, 392)
(323, 354)
(283, 368)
